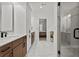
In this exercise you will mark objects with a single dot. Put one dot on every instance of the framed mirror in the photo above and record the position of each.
(7, 17)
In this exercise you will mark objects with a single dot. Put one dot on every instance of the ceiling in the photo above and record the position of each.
(36, 5)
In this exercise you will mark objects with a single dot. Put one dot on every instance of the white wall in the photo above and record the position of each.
(0, 16)
(19, 19)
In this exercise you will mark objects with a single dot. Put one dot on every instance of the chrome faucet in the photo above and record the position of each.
(3, 34)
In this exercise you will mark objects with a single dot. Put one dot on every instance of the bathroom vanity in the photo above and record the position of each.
(13, 47)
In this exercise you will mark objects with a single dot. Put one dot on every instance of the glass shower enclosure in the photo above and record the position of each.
(69, 29)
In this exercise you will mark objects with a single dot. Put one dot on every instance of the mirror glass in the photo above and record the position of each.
(6, 17)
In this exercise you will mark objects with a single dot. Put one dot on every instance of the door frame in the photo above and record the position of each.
(46, 26)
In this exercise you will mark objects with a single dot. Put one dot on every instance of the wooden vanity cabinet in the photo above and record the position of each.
(17, 48)
(6, 50)
(17, 51)
(9, 54)
(24, 46)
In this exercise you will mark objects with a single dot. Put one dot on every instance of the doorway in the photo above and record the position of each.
(42, 29)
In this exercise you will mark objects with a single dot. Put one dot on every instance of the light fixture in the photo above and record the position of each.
(42, 5)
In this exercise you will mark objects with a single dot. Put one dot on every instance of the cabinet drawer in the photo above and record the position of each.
(17, 42)
(17, 52)
(9, 54)
(5, 49)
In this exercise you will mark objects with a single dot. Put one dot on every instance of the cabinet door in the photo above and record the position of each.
(17, 52)
(9, 54)
(6, 50)
(24, 49)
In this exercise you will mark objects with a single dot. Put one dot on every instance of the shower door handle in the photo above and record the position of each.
(76, 33)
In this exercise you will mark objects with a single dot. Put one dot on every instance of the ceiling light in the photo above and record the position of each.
(41, 7)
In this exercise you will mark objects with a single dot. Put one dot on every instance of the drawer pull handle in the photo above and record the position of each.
(5, 49)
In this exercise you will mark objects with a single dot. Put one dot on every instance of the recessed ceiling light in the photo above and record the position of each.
(41, 7)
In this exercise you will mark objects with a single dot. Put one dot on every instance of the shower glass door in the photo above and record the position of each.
(69, 29)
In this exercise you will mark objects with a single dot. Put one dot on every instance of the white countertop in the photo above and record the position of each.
(9, 39)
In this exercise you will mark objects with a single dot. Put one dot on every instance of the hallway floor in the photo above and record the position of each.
(42, 49)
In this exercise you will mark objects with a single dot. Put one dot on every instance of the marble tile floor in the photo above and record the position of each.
(43, 49)
(67, 51)
(46, 49)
